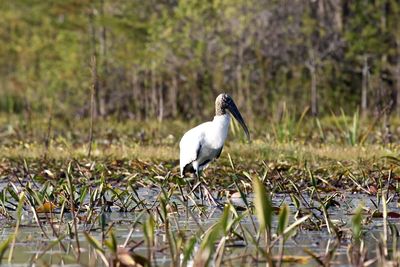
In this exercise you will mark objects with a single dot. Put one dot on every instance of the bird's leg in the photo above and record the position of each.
(192, 186)
(210, 198)
(202, 185)
(181, 191)
(199, 184)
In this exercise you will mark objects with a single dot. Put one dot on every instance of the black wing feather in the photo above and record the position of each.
(219, 152)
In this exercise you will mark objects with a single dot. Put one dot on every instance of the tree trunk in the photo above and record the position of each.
(248, 96)
(397, 75)
(146, 95)
(135, 94)
(104, 66)
(174, 96)
(103, 38)
(160, 101)
(154, 101)
(314, 94)
(238, 74)
(338, 14)
(364, 89)
(96, 92)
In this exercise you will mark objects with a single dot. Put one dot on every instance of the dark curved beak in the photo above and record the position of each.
(235, 112)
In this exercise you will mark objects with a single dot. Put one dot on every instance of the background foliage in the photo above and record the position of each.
(170, 58)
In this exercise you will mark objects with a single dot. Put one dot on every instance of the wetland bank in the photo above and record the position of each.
(300, 200)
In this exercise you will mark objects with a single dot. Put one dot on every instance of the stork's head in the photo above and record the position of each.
(225, 102)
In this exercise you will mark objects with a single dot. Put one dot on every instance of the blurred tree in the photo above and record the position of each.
(170, 58)
(393, 22)
(366, 43)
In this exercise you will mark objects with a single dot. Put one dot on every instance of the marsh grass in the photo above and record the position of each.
(287, 183)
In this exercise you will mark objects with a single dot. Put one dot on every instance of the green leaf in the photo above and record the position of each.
(356, 224)
(225, 219)
(93, 242)
(263, 205)
(188, 250)
(148, 229)
(295, 200)
(111, 243)
(312, 178)
(283, 219)
(4, 246)
(295, 224)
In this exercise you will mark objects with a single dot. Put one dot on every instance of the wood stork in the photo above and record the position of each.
(201, 145)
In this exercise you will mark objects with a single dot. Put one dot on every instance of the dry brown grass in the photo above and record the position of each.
(257, 150)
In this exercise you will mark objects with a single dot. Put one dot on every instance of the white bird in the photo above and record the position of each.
(201, 145)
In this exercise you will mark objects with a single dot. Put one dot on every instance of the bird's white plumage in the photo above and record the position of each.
(203, 143)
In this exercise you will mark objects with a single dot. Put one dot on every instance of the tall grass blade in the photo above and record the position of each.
(356, 224)
(19, 217)
(263, 205)
(111, 243)
(188, 250)
(93, 242)
(283, 219)
(4, 246)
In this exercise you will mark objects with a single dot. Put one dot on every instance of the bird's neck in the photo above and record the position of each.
(219, 111)
(224, 116)
(219, 130)
(221, 121)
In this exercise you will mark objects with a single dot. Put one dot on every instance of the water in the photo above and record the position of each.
(33, 246)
